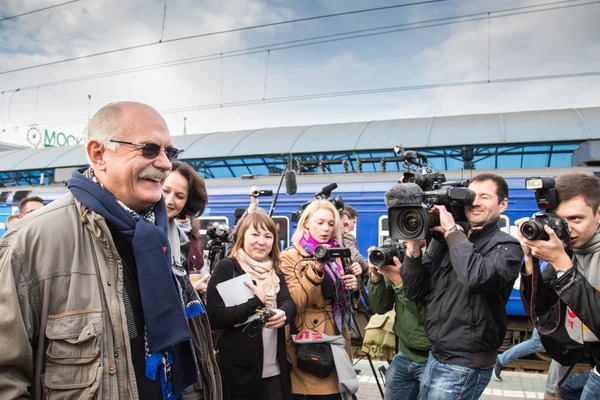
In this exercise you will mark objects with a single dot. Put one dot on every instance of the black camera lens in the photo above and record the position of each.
(321, 252)
(410, 223)
(379, 257)
(533, 230)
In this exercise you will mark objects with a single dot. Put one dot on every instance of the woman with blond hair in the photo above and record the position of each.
(251, 357)
(321, 291)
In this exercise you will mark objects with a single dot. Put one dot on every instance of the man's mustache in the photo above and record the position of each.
(155, 174)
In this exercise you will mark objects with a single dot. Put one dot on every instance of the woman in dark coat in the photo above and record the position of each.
(185, 196)
(252, 358)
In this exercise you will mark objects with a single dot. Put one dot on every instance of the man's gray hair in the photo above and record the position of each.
(105, 125)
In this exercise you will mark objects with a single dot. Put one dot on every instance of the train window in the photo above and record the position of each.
(4, 196)
(283, 231)
(20, 195)
(504, 223)
(205, 222)
(383, 229)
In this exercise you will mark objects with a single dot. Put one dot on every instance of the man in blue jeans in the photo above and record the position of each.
(468, 274)
(523, 349)
(403, 376)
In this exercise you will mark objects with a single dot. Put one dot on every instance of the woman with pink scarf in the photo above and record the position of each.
(321, 291)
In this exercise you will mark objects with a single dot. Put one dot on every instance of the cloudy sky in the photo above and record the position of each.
(246, 89)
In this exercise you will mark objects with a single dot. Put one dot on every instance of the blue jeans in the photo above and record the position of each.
(533, 345)
(592, 387)
(573, 386)
(403, 378)
(451, 382)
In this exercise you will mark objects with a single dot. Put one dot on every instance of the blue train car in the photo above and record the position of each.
(365, 192)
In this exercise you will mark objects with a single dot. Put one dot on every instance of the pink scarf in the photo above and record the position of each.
(341, 305)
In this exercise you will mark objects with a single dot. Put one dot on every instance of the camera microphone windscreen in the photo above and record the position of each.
(290, 183)
(403, 194)
(326, 191)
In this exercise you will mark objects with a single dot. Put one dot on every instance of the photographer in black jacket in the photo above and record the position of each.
(575, 282)
(468, 277)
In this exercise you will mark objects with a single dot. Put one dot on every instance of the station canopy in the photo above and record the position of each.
(222, 154)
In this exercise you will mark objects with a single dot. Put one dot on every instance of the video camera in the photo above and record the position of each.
(326, 253)
(324, 194)
(218, 233)
(258, 193)
(546, 197)
(410, 213)
(384, 255)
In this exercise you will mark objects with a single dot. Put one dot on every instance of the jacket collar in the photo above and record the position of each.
(487, 229)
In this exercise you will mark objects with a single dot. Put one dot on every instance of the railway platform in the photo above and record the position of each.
(514, 385)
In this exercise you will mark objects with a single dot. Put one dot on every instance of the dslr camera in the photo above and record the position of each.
(384, 255)
(546, 197)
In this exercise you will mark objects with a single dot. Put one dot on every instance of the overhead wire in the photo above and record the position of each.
(503, 13)
(139, 46)
(325, 95)
(385, 89)
(37, 10)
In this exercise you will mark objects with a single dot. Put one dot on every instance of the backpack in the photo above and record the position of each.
(380, 339)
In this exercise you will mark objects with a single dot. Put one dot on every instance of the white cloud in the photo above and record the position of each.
(534, 44)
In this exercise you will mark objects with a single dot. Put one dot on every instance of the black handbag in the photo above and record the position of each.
(315, 358)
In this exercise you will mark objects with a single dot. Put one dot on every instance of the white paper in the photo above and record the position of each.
(234, 292)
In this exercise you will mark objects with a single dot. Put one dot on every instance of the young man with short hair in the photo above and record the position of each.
(574, 281)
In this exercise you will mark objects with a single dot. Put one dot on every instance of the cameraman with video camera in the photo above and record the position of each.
(572, 281)
(468, 276)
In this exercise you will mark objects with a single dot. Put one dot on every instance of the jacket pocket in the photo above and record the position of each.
(73, 358)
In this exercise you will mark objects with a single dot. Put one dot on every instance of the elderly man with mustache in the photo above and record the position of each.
(90, 306)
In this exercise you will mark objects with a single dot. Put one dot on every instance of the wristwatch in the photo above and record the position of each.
(456, 227)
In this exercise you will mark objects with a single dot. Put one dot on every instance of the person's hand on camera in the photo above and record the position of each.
(375, 275)
(201, 284)
(526, 249)
(277, 320)
(350, 282)
(253, 200)
(356, 269)
(446, 218)
(413, 248)
(551, 250)
(257, 290)
(392, 272)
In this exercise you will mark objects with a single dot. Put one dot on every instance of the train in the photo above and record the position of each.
(363, 191)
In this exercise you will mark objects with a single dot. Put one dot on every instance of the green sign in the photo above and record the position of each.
(60, 139)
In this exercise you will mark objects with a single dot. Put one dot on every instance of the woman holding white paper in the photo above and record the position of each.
(252, 357)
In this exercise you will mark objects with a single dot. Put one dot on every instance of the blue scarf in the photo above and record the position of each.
(168, 334)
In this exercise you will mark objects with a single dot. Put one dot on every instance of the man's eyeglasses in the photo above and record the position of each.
(152, 150)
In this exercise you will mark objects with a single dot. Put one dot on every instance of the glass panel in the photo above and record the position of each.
(535, 160)
(509, 161)
(454, 164)
(486, 163)
(560, 160)
(383, 229)
(529, 149)
(565, 147)
(283, 231)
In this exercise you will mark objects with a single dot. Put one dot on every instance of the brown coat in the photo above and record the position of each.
(314, 313)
